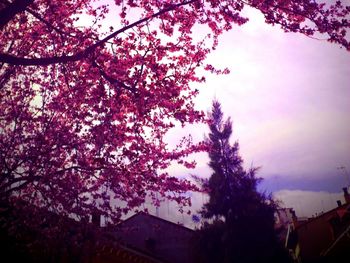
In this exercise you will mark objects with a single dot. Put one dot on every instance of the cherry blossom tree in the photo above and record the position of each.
(84, 110)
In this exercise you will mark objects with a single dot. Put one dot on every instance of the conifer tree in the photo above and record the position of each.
(240, 219)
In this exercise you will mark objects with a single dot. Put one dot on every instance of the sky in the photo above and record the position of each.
(289, 98)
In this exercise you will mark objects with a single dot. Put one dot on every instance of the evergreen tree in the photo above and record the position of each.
(240, 220)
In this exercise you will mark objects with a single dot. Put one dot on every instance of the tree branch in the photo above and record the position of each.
(10, 59)
(48, 24)
(112, 80)
(12, 9)
(27, 179)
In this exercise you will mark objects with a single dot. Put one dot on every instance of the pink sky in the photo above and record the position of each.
(289, 98)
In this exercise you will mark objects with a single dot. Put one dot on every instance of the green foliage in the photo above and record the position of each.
(240, 220)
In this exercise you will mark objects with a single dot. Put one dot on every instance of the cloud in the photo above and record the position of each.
(170, 210)
(289, 99)
(305, 204)
(308, 203)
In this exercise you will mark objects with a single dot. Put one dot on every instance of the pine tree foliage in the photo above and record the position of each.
(240, 219)
(229, 182)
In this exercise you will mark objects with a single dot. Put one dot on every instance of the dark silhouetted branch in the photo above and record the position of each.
(12, 9)
(10, 59)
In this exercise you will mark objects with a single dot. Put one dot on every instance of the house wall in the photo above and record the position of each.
(313, 238)
(157, 237)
